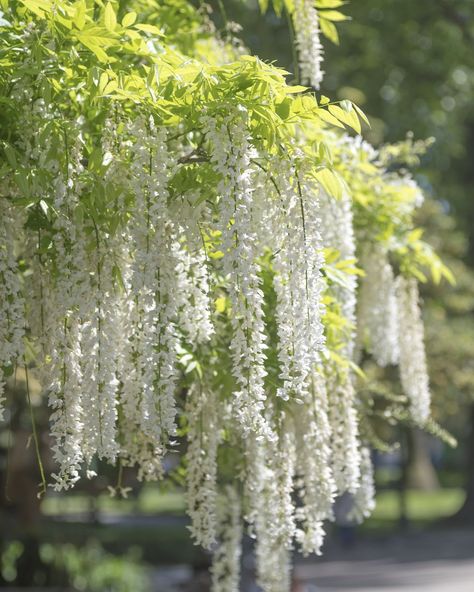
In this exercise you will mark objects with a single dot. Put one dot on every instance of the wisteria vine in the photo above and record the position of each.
(181, 262)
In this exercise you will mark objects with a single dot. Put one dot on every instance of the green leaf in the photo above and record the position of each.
(328, 118)
(149, 29)
(80, 16)
(96, 39)
(283, 109)
(330, 182)
(39, 7)
(329, 30)
(361, 114)
(349, 118)
(334, 15)
(11, 155)
(110, 20)
(330, 3)
(129, 19)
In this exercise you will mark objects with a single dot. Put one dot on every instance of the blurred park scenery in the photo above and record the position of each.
(410, 66)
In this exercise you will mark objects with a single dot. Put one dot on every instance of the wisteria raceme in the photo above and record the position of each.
(336, 220)
(68, 288)
(308, 44)
(193, 293)
(298, 283)
(345, 458)
(274, 512)
(201, 477)
(273, 565)
(225, 569)
(377, 316)
(253, 476)
(364, 498)
(149, 386)
(12, 305)
(413, 368)
(338, 233)
(354, 148)
(230, 154)
(315, 481)
(101, 336)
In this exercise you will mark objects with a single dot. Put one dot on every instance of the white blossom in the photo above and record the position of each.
(225, 569)
(377, 316)
(273, 564)
(298, 282)
(345, 458)
(12, 304)
(100, 336)
(148, 392)
(364, 497)
(231, 154)
(66, 288)
(336, 221)
(201, 455)
(193, 294)
(413, 369)
(315, 484)
(274, 512)
(308, 44)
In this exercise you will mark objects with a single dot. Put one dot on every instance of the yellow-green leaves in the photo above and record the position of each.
(107, 83)
(98, 40)
(329, 3)
(331, 182)
(79, 19)
(340, 115)
(110, 19)
(152, 29)
(334, 16)
(417, 258)
(328, 16)
(129, 19)
(346, 116)
(38, 7)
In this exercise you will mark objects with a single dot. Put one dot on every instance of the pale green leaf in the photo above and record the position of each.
(330, 182)
(129, 19)
(334, 15)
(110, 19)
(329, 30)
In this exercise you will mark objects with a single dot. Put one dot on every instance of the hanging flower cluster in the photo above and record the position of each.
(390, 325)
(378, 309)
(12, 306)
(308, 44)
(176, 255)
(231, 154)
(413, 370)
(118, 306)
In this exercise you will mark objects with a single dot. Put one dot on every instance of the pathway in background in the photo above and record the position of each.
(434, 561)
(430, 561)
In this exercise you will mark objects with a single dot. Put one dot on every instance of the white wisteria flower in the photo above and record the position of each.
(225, 569)
(377, 315)
(308, 43)
(12, 304)
(413, 367)
(231, 154)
